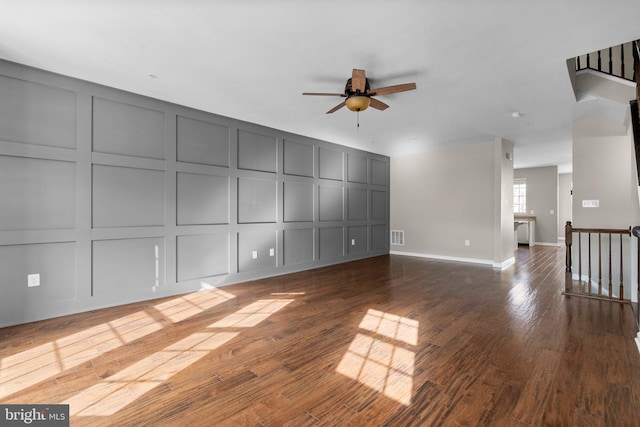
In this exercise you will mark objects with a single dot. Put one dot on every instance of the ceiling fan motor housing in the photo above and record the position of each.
(349, 91)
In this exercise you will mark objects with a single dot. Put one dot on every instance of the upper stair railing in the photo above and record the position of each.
(615, 61)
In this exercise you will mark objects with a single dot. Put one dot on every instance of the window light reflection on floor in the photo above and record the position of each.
(119, 390)
(183, 307)
(252, 314)
(122, 388)
(380, 359)
(27, 368)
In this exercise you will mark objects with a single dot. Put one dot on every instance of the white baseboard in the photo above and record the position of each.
(502, 265)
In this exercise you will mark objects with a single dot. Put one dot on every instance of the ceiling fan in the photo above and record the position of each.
(360, 95)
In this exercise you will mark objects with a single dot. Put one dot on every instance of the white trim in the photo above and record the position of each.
(445, 258)
(606, 76)
(504, 264)
(548, 244)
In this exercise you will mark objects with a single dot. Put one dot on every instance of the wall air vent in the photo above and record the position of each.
(397, 237)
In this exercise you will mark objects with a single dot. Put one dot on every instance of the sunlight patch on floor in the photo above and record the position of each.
(113, 394)
(181, 308)
(252, 314)
(391, 326)
(381, 360)
(119, 390)
(27, 368)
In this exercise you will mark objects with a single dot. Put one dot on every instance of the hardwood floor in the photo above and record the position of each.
(391, 340)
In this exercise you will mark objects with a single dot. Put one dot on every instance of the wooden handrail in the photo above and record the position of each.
(626, 231)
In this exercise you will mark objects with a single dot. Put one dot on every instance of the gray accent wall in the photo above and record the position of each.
(113, 197)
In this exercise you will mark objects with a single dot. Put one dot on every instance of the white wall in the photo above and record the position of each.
(604, 170)
(446, 197)
(565, 186)
(542, 201)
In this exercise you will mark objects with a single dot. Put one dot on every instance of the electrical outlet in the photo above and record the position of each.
(467, 243)
(272, 252)
(353, 242)
(33, 280)
(254, 254)
(551, 212)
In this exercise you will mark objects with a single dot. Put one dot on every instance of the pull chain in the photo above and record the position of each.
(357, 120)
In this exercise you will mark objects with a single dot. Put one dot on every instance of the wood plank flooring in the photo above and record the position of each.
(390, 341)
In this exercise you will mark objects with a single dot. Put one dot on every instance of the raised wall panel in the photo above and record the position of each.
(201, 256)
(379, 237)
(37, 194)
(128, 130)
(378, 172)
(331, 241)
(257, 152)
(202, 199)
(298, 201)
(357, 239)
(330, 164)
(127, 197)
(55, 262)
(357, 204)
(256, 200)
(158, 197)
(202, 142)
(298, 159)
(260, 242)
(298, 246)
(128, 266)
(378, 204)
(330, 203)
(34, 113)
(356, 168)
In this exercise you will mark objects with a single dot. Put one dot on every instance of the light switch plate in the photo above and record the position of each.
(33, 280)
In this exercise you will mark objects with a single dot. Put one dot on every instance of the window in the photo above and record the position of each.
(520, 196)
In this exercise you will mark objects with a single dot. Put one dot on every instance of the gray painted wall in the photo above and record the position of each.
(542, 201)
(113, 198)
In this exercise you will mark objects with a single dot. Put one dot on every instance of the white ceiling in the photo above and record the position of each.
(474, 62)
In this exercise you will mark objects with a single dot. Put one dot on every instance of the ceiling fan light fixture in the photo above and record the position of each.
(358, 102)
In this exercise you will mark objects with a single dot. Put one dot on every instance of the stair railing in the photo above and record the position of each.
(587, 240)
(614, 61)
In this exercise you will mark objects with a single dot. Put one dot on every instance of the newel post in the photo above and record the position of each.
(568, 233)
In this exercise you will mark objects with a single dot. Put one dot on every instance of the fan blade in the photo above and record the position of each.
(336, 108)
(324, 94)
(393, 89)
(378, 105)
(358, 81)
